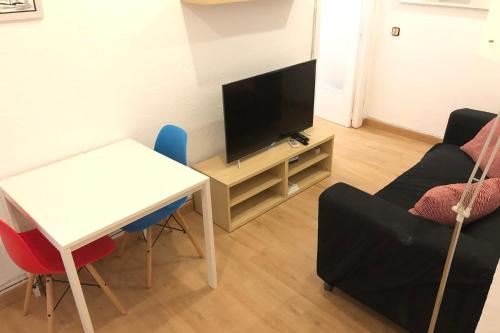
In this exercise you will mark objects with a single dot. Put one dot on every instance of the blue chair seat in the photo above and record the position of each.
(155, 217)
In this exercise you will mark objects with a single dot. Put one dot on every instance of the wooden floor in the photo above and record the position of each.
(266, 269)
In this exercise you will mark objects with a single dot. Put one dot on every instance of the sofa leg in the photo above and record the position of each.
(328, 287)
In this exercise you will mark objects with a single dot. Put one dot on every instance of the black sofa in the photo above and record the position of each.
(370, 246)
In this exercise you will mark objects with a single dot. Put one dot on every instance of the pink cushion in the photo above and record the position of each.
(436, 204)
(474, 146)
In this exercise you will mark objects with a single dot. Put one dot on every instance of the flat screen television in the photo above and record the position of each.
(267, 108)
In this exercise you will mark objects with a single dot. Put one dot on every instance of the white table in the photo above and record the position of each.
(78, 200)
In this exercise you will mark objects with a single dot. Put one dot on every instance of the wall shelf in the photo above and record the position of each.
(212, 2)
(473, 4)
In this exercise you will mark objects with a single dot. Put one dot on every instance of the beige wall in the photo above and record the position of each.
(434, 67)
(94, 72)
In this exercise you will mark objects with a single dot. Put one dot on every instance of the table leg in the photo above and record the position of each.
(76, 289)
(208, 228)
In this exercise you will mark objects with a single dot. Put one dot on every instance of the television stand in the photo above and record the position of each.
(242, 192)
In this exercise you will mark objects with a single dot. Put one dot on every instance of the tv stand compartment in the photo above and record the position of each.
(239, 195)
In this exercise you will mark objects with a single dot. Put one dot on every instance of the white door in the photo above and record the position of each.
(339, 43)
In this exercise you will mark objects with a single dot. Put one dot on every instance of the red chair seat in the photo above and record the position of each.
(50, 258)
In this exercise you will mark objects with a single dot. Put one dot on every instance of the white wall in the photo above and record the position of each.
(94, 72)
(434, 67)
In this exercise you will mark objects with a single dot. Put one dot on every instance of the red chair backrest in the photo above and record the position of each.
(18, 250)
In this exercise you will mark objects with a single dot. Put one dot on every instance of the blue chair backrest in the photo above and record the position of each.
(172, 142)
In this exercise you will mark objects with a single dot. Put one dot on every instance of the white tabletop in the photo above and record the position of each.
(99, 191)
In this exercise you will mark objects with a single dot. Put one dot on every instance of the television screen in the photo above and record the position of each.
(261, 110)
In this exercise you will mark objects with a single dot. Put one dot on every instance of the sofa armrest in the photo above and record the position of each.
(464, 124)
(392, 260)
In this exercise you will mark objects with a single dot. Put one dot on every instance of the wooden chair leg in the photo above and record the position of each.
(123, 243)
(50, 303)
(107, 291)
(149, 253)
(29, 291)
(184, 225)
(165, 220)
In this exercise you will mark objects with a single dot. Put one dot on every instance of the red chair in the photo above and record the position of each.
(32, 252)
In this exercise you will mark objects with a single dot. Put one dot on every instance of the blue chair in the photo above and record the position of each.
(171, 142)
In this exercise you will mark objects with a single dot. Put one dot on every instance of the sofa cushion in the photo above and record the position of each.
(443, 164)
(437, 203)
(474, 147)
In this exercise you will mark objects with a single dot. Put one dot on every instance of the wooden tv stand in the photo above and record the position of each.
(241, 194)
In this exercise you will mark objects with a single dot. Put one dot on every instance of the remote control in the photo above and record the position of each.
(304, 142)
(299, 137)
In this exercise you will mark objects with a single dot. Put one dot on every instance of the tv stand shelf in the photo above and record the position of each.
(240, 194)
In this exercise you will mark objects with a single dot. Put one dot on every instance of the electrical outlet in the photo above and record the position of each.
(396, 31)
